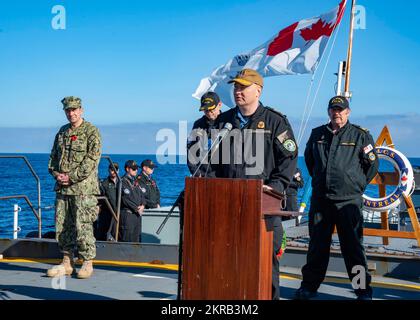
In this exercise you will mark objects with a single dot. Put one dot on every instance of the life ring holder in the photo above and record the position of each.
(404, 187)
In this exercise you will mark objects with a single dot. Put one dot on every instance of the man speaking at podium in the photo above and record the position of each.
(263, 147)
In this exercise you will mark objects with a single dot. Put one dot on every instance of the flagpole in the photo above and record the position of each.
(349, 52)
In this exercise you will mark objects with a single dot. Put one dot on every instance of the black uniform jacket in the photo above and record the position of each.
(277, 157)
(109, 189)
(132, 195)
(152, 194)
(296, 183)
(201, 132)
(341, 165)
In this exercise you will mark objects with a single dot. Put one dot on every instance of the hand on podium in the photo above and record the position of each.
(267, 188)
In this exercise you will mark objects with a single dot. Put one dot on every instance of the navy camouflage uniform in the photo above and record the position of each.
(76, 152)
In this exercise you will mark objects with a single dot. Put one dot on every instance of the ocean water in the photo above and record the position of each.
(16, 179)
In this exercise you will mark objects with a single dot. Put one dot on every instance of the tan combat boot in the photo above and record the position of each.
(86, 270)
(65, 268)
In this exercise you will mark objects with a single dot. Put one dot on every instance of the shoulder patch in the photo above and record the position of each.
(372, 156)
(368, 148)
(282, 137)
(289, 145)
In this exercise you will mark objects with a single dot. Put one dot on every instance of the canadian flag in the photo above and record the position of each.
(296, 49)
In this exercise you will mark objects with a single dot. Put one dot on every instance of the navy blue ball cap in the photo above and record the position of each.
(338, 101)
(148, 163)
(209, 101)
(131, 164)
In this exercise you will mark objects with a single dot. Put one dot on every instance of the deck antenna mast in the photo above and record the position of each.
(344, 67)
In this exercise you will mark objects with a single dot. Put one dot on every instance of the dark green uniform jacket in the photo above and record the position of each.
(152, 193)
(341, 165)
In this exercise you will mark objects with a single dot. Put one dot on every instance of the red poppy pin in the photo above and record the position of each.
(73, 138)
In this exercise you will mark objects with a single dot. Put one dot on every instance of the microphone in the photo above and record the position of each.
(220, 136)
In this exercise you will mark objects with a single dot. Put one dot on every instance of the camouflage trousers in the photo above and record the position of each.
(74, 219)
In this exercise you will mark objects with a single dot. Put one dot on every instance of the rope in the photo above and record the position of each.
(306, 107)
(303, 127)
(413, 188)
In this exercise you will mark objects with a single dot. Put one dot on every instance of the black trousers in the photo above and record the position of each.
(101, 226)
(291, 202)
(130, 227)
(277, 227)
(347, 216)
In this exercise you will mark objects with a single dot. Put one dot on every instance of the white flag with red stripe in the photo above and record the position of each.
(296, 49)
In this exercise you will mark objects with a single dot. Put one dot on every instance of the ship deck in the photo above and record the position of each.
(26, 280)
(149, 271)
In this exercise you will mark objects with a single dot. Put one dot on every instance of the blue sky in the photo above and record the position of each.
(140, 61)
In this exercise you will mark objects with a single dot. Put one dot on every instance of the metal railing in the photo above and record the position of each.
(38, 215)
(116, 216)
(20, 196)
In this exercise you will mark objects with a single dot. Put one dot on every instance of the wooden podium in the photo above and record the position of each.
(227, 241)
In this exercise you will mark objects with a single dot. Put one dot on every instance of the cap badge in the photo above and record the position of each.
(208, 100)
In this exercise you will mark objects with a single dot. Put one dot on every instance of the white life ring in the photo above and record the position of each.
(405, 185)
